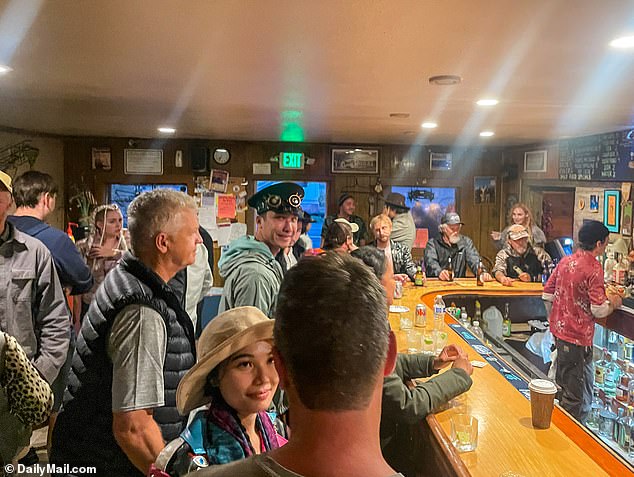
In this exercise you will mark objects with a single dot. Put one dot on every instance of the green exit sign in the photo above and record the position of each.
(291, 160)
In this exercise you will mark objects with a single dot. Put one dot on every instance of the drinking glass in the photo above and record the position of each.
(428, 343)
(414, 342)
(441, 341)
(464, 432)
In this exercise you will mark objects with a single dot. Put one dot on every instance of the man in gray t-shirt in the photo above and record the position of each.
(334, 392)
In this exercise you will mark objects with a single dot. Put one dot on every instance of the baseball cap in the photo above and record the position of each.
(517, 231)
(451, 218)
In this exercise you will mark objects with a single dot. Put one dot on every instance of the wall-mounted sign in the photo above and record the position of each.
(143, 161)
(291, 160)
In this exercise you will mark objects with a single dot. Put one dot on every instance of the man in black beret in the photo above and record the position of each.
(252, 275)
(346, 211)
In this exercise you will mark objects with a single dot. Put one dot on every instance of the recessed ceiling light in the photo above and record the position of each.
(429, 125)
(166, 130)
(399, 115)
(487, 133)
(487, 102)
(623, 42)
(445, 80)
(5, 69)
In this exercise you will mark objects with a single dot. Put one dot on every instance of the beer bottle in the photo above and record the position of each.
(419, 277)
(506, 324)
(450, 270)
(479, 274)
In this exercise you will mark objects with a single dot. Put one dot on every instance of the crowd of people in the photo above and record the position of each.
(297, 372)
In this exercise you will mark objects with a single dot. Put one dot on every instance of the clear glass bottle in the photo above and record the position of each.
(629, 432)
(439, 312)
(464, 318)
(607, 420)
(612, 376)
(476, 330)
(593, 420)
(617, 435)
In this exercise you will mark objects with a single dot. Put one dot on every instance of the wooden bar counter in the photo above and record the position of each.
(508, 445)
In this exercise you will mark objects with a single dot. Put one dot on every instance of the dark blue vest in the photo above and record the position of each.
(83, 432)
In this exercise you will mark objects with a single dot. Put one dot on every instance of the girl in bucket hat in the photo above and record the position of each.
(235, 376)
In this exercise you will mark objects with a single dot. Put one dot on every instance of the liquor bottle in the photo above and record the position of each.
(630, 393)
(476, 330)
(419, 277)
(618, 424)
(599, 370)
(593, 420)
(450, 270)
(611, 377)
(628, 432)
(478, 311)
(506, 324)
(481, 271)
(624, 382)
(608, 418)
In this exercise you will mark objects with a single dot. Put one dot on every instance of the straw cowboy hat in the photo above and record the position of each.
(225, 335)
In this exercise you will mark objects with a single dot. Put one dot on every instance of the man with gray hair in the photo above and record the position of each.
(135, 345)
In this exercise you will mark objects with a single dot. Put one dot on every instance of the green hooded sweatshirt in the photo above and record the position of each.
(252, 276)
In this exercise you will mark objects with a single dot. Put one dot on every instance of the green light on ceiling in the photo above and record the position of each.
(292, 129)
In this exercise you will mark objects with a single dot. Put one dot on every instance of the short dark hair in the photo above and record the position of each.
(373, 258)
(332, 332)
(591, 232)
(336, 235)
(29, 187)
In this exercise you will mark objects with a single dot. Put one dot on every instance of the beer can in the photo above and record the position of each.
(421, 316)
(398, 289)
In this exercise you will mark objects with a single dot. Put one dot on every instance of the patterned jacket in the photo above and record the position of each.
(402, 261)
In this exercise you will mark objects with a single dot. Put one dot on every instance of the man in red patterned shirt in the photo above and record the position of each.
(576, 293)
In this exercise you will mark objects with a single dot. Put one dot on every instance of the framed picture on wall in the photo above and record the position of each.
(101, 158)
(355, 160)
(626, 222)
(440, 161)
(612, 210)
(535, 161)
(484, 189)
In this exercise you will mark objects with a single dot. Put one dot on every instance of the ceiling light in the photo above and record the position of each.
(445, 80)
(5, 69)
(399, 115)
(429, 125)
(166, 130)
(623, 42)
(487, 133)
(487, 102)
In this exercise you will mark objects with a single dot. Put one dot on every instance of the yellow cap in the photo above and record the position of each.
(6, 180)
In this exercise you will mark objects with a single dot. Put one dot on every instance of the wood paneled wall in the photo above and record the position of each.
(399, 165)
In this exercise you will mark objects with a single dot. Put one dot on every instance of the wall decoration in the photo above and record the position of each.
(484, 190)
(594, 203)
(14, 155)
(535, 161)
(143, 161)
(101, 158)
(626, 222)
(218, 180)
(355, 161)
(612, 210)
(440, 161)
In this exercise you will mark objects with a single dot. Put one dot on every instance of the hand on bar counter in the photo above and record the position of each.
(455, 355)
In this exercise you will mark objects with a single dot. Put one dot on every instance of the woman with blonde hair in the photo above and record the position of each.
(103, 247)
(520, 214)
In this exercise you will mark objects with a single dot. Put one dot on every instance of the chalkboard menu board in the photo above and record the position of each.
(603, 157)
